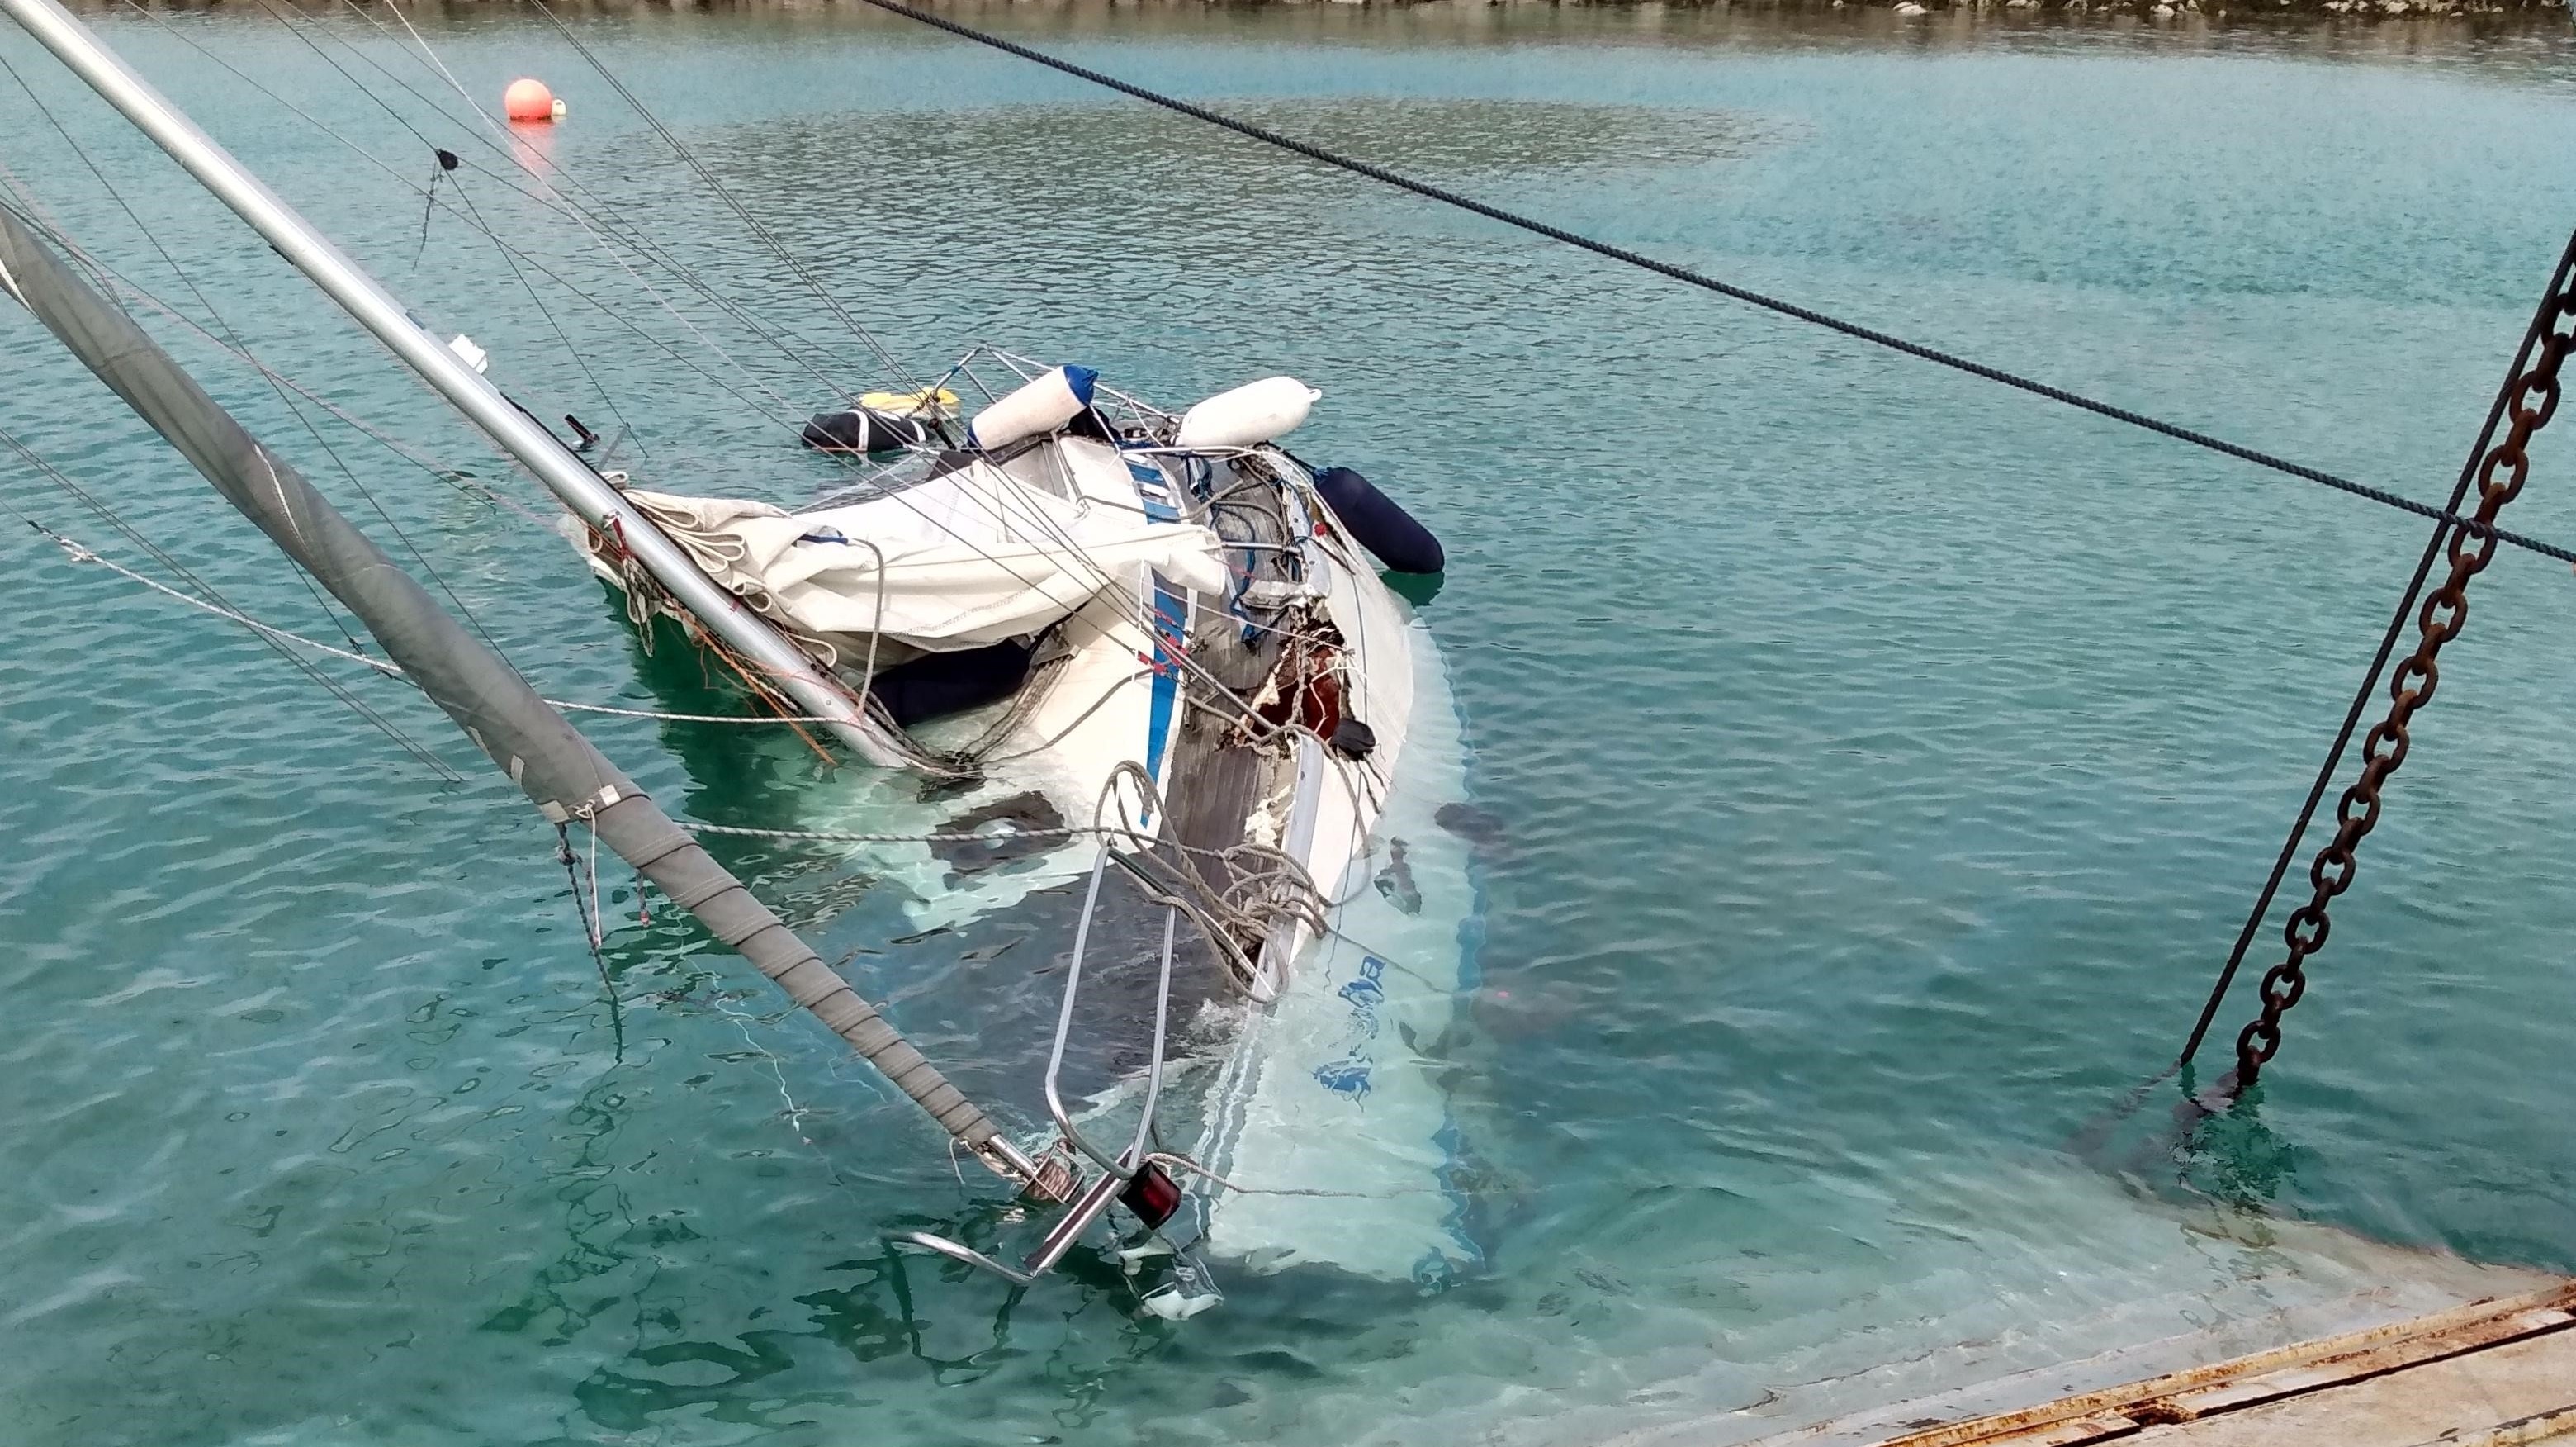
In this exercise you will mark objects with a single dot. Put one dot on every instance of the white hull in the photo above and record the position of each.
(1329, 1112)
(1220, 689)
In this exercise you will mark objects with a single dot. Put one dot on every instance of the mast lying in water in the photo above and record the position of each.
(569, 780)
(779, 661)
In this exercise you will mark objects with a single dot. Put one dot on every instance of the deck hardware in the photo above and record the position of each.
(1131, 1176)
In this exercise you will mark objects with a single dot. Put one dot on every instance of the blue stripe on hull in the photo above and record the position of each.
(1171, 631)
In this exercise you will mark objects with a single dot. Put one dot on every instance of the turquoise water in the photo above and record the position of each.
(1883, 760)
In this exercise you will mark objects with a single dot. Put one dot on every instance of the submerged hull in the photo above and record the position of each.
(1223, 700)
(1329, 1112)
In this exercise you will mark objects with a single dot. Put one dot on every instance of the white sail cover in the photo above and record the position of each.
(970, 558)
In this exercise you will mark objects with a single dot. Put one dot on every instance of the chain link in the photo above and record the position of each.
(2533, 399)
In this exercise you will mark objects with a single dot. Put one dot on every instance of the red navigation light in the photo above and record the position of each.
(1152, 1194)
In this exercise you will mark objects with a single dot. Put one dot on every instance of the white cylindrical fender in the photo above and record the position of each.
(1043, 405)
(1248, 416)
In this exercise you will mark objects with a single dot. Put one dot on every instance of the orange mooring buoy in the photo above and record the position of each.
(529, 100)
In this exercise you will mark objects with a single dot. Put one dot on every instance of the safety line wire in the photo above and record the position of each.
(1689, 277)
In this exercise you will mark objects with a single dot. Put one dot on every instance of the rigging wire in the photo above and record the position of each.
(593, 223)
(312, 589)
(61, 238)
(118, 284)
(1689, 277)
(80, 552)
(601, 228)
(767, 238)
(579, 359)
(136, 536)
(560, 206)
(783, 415)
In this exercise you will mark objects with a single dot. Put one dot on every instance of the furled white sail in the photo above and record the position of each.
(967, 558)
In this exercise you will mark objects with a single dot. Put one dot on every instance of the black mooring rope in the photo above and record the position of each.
(1684, 274)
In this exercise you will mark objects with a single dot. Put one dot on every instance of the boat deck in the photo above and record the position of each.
(2487, 1374)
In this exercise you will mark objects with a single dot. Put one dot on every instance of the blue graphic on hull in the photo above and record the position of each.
(1349, 1076)
(1171, 628)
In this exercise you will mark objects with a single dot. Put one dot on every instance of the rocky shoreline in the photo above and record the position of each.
(2216, 9)
(2157, 9)
(2542, 12)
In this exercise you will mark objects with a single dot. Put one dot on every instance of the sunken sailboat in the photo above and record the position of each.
(1122, 643)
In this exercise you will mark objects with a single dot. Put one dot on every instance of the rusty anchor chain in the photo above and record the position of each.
(2529, 399)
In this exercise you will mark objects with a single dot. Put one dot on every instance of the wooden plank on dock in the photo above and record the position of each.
(2496, 1372)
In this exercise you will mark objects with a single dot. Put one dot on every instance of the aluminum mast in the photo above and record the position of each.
(570, 781)
(777, 657)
